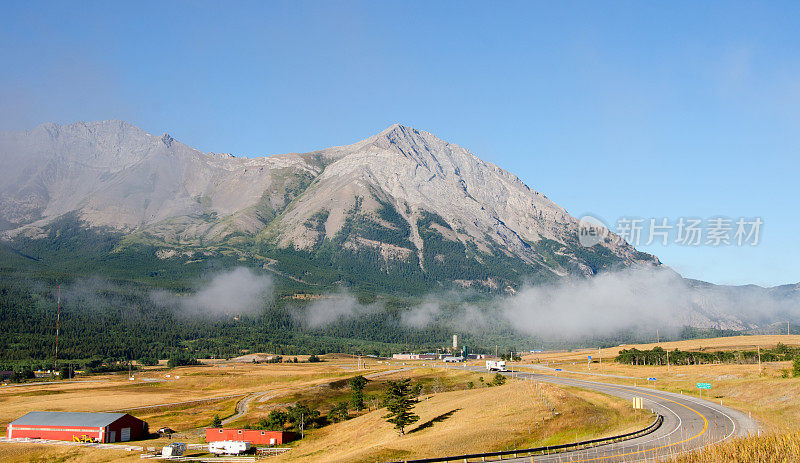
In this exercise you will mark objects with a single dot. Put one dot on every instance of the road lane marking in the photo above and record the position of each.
(654, 449)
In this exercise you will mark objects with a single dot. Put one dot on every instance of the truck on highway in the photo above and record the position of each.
(228, 447)
(496, 365)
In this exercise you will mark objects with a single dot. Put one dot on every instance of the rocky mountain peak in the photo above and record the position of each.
(402, 193)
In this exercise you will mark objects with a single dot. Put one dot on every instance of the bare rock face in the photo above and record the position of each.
(116, 175)
(393, 192)
(413, 173)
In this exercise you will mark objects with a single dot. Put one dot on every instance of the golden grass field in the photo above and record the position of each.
(471, 419)
(323, 396)
(41, 453)
(482, 419)
(454, 419)
(772, 448)
(116, 392)
(771, 399)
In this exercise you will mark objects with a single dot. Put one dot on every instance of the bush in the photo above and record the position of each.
(21, 375)
(498, 380)
(148, 361)
(796, 366)
(181, 360)
(314, 359)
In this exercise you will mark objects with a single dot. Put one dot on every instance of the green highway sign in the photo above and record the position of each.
(703, 385)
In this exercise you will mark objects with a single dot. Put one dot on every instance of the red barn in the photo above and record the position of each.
(103, 427)
(254, 436)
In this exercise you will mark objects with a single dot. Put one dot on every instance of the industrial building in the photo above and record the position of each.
(254, 436)
(69, 426)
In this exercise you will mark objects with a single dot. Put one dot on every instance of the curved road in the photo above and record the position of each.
(689, 424)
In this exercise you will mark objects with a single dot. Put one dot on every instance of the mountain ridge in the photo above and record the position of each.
(403, 196)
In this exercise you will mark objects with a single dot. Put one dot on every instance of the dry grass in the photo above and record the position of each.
(44, 453)
(324, 396)
(116, 392)
(455, 422)
(774, 448)
(770, 399)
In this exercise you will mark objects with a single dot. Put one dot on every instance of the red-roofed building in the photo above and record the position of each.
(101, 427)
(254, 436)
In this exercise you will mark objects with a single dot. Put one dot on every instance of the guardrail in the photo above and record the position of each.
(544, 450)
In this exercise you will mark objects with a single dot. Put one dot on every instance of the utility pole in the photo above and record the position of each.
(58, 320)
(600, 354)
(667, 360)
(787, 329)
(658, 337)
(759, 359)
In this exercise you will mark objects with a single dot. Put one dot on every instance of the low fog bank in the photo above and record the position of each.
(638, 300)
(240, 291)
(332, 308)
(633, 300)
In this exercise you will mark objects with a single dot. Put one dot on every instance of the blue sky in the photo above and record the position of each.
(617, 109)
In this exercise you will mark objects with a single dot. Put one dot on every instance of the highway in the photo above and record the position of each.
(689, 423)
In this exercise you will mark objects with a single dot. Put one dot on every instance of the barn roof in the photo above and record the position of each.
(92, 420)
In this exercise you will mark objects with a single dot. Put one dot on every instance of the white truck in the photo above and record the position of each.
(228, 447)
(496, 365)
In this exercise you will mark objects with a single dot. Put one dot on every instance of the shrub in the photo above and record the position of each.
(498, 380)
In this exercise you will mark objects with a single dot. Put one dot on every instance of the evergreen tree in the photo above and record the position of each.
(400, 404)
(338, 413)
(65, 373)
(357, 384)
(216, 422)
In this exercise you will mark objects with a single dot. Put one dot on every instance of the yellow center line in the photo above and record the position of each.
(705, 427)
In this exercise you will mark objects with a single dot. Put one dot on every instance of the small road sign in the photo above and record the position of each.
(703, 385)
(652, 379)
(590, 358)
(558, 369)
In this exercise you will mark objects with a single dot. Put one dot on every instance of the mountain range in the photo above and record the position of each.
(403, 196)
(399, 212)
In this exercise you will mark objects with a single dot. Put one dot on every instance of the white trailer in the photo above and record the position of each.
(175, 449)
(228, 447)
(499, 365)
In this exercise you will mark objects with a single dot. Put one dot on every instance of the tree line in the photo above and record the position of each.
(658, 356)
